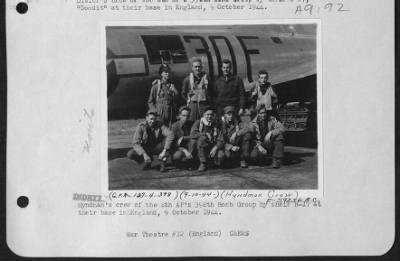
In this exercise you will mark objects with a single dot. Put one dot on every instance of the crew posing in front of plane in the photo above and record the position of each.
(206, 133)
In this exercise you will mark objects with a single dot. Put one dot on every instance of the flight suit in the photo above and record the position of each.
(182, 131)
(243, 137)
(162, 99)
(275, 145)
(151, 141)
(206, 138)
(263, 96)
(196, 91)
(228, 91)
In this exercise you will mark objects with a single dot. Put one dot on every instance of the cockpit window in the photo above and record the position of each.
(165, 49)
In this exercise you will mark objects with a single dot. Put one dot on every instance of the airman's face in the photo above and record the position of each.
(229, 116)
(196, 68)
(208, 115)
(151, 120)
(262, 113)
(183, 117)
(165, 75)
(262, 79)
(272, 118)
(226, 69)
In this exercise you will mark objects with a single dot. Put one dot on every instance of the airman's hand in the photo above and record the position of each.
(232, 138)
(180, 141)
(188, 155)
(213, 152)
(268, 137)
(262, 150)
(235, 148)
(146, 157)
(163, 155)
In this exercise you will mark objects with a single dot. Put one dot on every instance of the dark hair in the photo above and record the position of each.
(226, 61)
(208, 108)
(261, 107)
(184, 108)
(151, 112)
(163, 68)
(273, 113)
(196, 59)
(263, 72)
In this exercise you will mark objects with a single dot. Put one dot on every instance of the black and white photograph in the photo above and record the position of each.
(212, 107)
(200, 128)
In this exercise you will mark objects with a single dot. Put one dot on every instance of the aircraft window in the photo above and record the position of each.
(165, 49)
(165, 56)
(276, 40)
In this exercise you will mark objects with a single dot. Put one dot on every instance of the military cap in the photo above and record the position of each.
(152, 112)
(163, 68)
(229, 109)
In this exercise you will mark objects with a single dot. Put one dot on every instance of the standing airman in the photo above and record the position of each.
(163, 97)
(196, 90)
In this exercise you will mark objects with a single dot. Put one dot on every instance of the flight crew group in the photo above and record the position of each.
(208, 129)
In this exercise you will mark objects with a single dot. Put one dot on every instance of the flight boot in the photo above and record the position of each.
(147, 165)
(243, 164)
(276, 163)
(202, 167)
(162, 166)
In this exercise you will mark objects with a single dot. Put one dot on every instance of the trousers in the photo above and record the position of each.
(275, 147)
(203, 149)
(150, 150)
(196, 110)
(179, 157)
(220, 109)
(244, 142)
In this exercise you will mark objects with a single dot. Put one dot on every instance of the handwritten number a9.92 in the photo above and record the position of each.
(330, 7)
